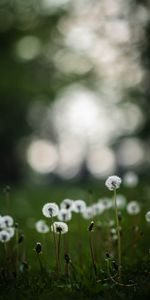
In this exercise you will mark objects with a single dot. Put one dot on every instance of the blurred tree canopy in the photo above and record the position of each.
(23, 80)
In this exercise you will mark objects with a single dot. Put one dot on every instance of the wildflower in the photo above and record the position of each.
(4, 236)
(7, 221)
(121, 201)
(50, 210)
(59, 227)
(41, 226)
(79, 206)
(147, 216)
(88, 213)
(130, 179)
(67, 204)
(133, 208)
(113, 182)
(64, 215)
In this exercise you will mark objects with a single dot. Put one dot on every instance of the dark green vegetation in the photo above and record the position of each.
(39, 281)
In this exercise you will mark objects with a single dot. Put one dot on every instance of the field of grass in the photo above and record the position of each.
(36, 276)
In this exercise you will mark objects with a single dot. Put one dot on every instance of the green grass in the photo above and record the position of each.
(26, 208)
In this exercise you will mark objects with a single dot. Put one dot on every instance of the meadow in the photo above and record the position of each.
(85, 263)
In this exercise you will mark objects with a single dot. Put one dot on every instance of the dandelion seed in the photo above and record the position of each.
(4, 236)
(59, 227)
(67, 204)
(41, 226)
(130, 179)
(50, 210)
(113, 182)
(147, 216)
(64, 215)
(79, 206)
(133, 208)
(8, 221)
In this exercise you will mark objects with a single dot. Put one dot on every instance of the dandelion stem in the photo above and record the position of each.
(58, 253)
(92, 255)
(118, 234)
(55, 245)
(17, 249)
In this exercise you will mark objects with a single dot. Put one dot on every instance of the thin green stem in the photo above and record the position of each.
(58, 250)
(118, 234)
(55, 245)
(17, 249)
(92, 255)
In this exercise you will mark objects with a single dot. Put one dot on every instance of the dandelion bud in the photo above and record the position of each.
(21, 238)
(67, 258)
(107, 255)
(38, 248)
(91, 226)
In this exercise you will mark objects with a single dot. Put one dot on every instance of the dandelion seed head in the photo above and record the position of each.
(105, 203)
(59, 227)
(147, 216)
(130, 179)
(8, 221)
(113, 182)
(4, 236)
(88, 213)
(50, 210)
(11, 231)
(64, 215)
(133, 208)
(79, 206)
(41, 226)
(67, 204)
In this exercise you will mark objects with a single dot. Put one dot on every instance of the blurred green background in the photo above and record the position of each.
(74, 89)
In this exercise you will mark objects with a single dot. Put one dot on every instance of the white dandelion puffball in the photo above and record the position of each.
(113, 182)
(79, 206)
(88, 213)
(106, 203)
(11, 231)
(67, 204)
(4, 236)
(50, 210)
(64, 215)
(8, 221)
(130, 179)
(147, 216)
(121, 201)
(97, 208)
(133, 208)
(59, 227)
(41, 226)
